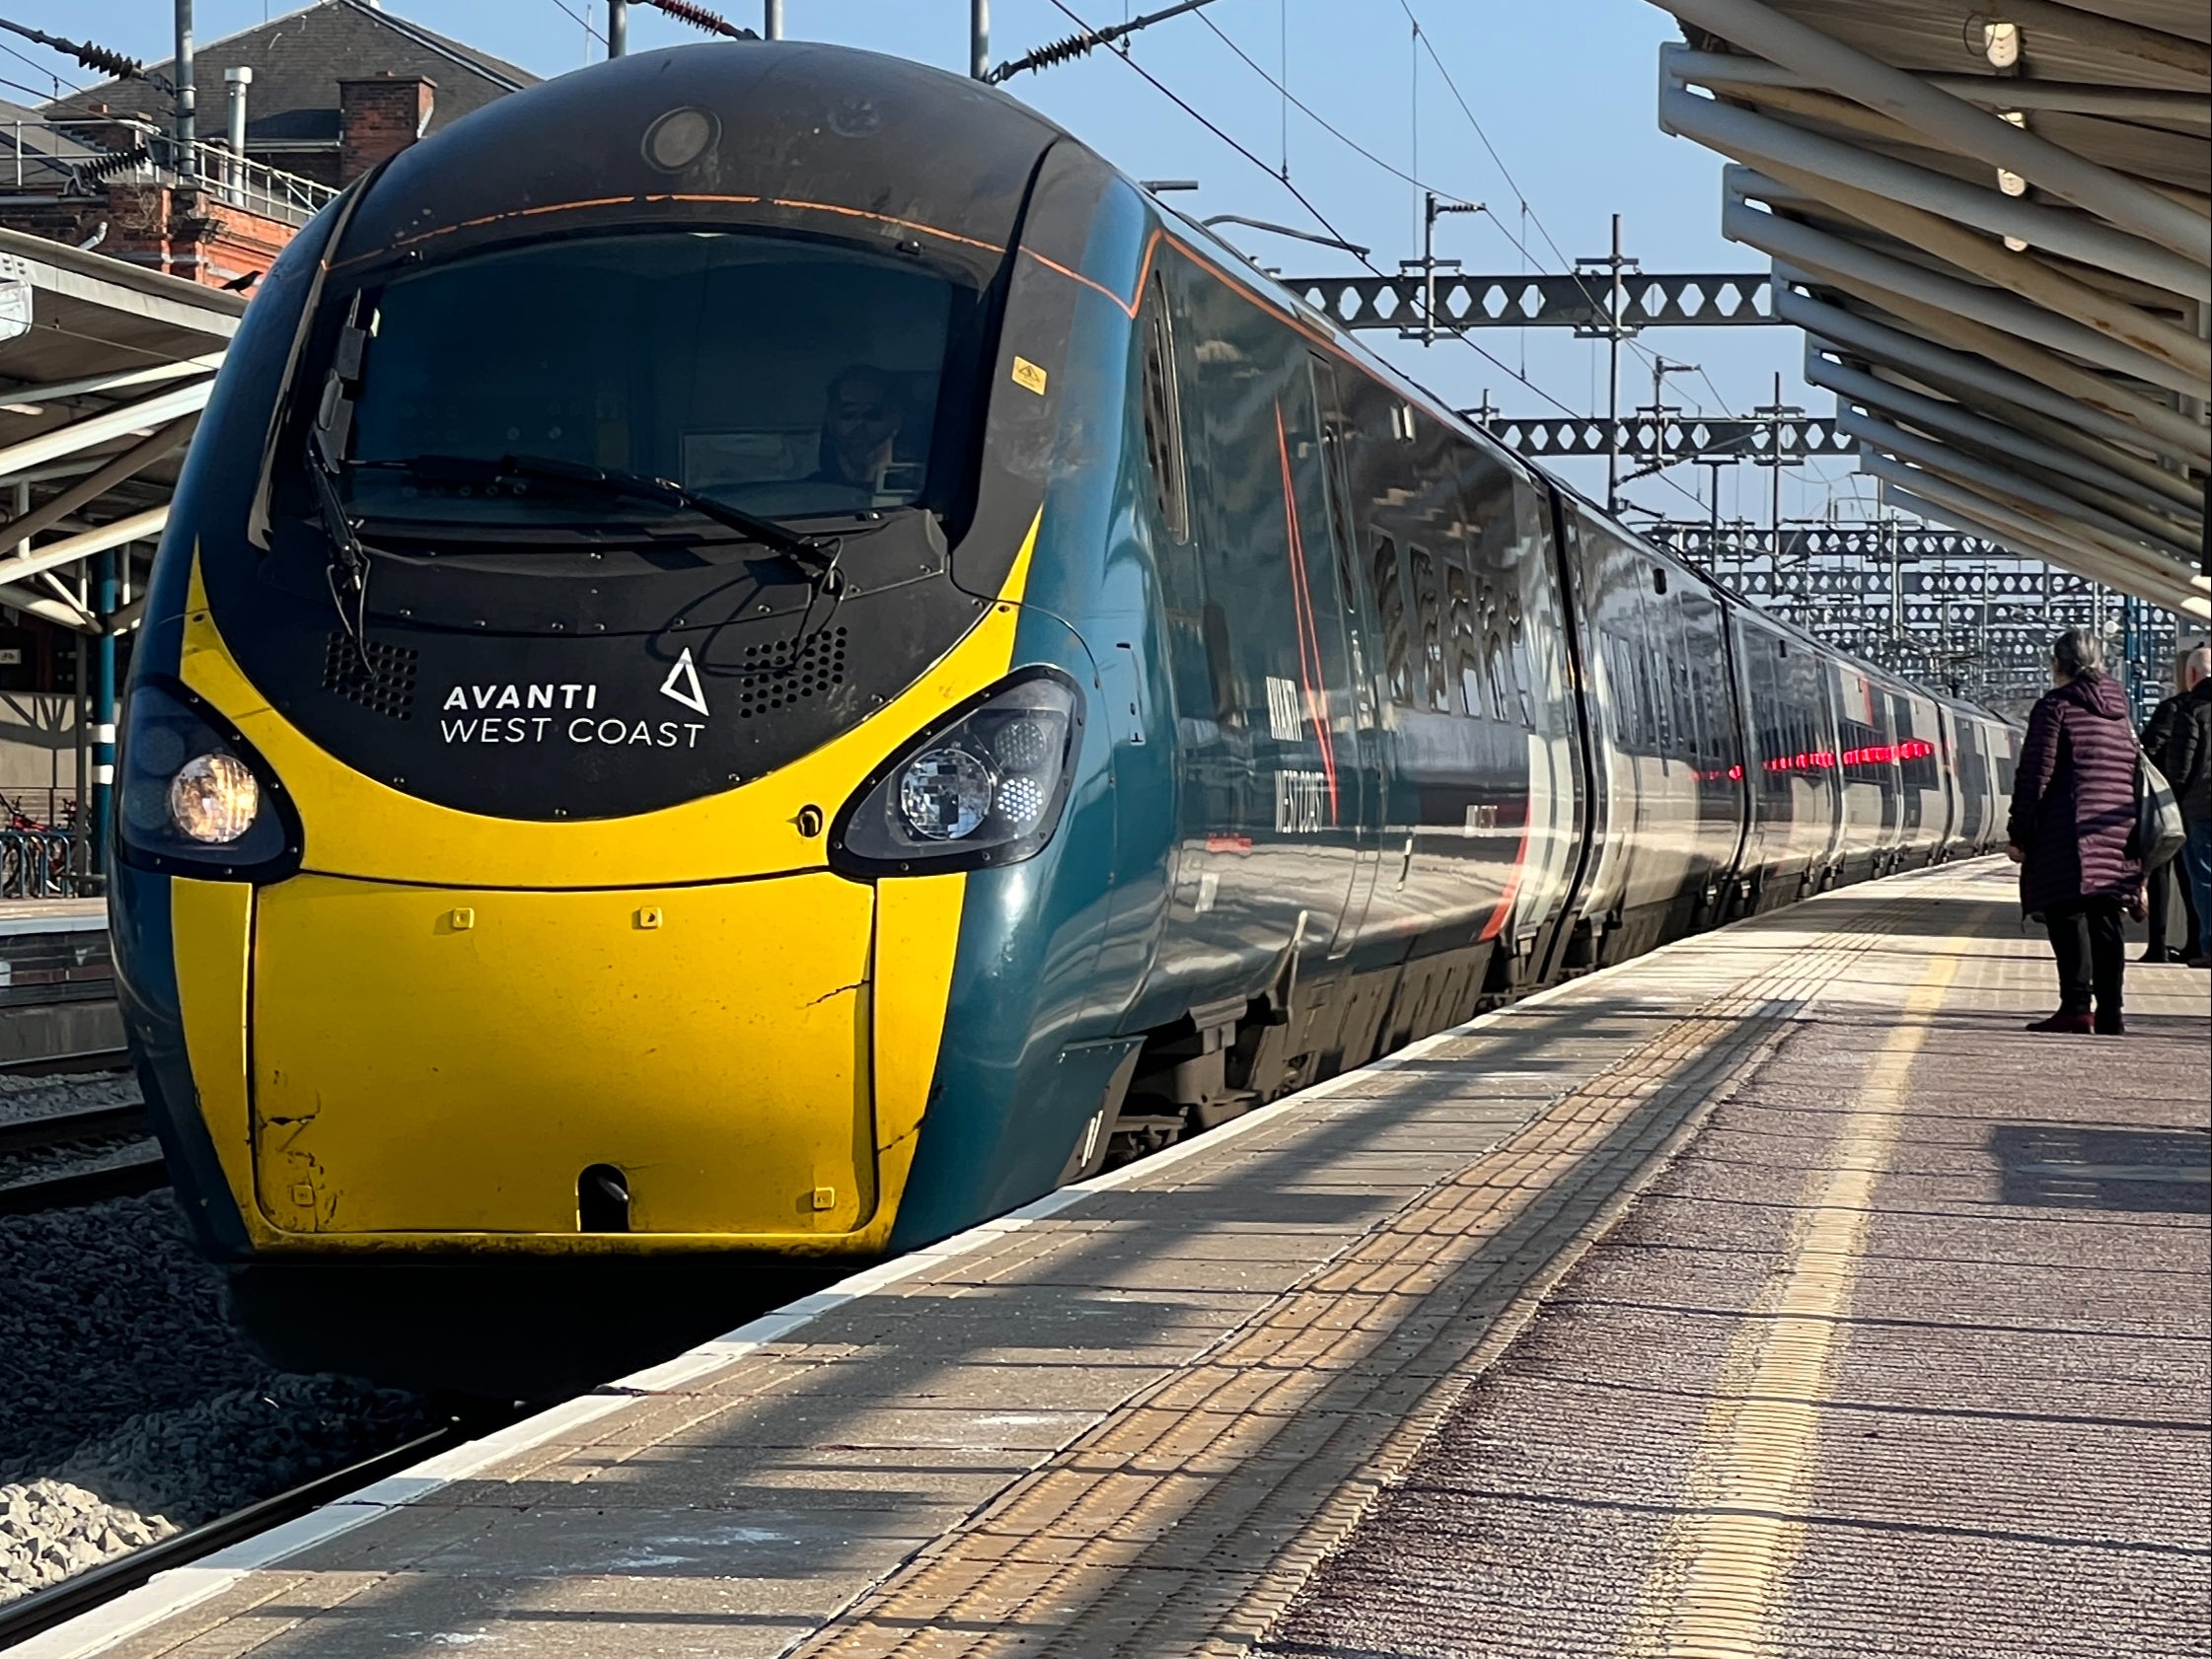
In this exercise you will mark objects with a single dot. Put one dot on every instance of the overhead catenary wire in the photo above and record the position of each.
(1324, 222)
(1421, 36)
(575, 16)
(38, 68)
(1415, 180)
(1527, 209)
(1409, 177)
(1072, 46)
(1302, 199)
(35, 92)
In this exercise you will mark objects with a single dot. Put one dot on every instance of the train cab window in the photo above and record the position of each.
(834, 378)
(1432, 684)
(1164, 419)
(1659, 578)
(1390, 602)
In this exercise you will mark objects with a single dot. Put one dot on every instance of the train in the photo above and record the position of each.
(759, 658)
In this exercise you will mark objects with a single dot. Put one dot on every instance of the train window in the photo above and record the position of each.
(1164, 419)
(1220, 670)
(1333, 443)
(1390, 600)
(1435, 684)
(1465, 657)
(1659, 578)
(1494, 659)
(1632, 720)
(1518, 661)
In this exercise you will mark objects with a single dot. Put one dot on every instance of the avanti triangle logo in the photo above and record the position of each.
(681, 684)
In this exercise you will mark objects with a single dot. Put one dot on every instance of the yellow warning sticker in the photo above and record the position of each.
(1028, 374)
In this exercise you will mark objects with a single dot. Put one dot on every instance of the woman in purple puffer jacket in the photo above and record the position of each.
(2072, 832)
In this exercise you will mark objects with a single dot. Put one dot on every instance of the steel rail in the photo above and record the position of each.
(84, 1059)
(147, 1174)
(59, 1129)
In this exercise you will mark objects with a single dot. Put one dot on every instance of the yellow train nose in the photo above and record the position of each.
(673, 1061)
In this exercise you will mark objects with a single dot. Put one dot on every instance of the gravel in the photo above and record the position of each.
(128, 1410)
(51, 1529)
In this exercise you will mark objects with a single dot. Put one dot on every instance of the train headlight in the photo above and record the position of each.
(213, 798)
(984, 787)
(191, 795)
(946, 795)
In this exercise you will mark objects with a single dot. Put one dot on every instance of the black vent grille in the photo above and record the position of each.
(385, 683)
(779, 674)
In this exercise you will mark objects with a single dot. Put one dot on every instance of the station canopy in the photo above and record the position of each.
(1994, 226)
(103, 369)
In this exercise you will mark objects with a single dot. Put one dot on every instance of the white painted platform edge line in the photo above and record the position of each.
(180, 1588)
(162, 1597)
(85, 921)
(534, 1430)
(152, 1602)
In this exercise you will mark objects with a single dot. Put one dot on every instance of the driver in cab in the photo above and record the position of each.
(860, 430)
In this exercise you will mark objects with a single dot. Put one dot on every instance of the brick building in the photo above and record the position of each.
(324, 94)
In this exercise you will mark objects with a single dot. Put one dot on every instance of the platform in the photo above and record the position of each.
(57, 980)
(1773, 1293)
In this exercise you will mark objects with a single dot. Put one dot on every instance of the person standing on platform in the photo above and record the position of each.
(2169, 740)
(2072, 819)
(2189, 770)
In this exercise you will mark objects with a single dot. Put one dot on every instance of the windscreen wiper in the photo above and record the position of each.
(816, 556)
(346, 572)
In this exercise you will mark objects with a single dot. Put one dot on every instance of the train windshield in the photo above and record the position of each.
(786, 378)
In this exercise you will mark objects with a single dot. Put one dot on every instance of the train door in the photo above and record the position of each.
(1868, 798)
(1608, 690)
(1406, 516)
(1278, 755)
(1269, 804)
(1704, 679)
(1581, 726)
(1557, 810)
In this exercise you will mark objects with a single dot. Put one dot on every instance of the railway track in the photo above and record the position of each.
(145, 1173)
(42, 1609)
(94, 1131)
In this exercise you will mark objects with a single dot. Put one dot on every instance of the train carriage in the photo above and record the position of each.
(759, 658)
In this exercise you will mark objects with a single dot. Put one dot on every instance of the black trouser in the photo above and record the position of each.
(2092, 951)
(2166, 890)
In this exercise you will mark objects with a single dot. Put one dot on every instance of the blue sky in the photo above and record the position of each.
(1562, 89)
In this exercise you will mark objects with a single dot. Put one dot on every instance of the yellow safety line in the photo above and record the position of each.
(1716, 1586)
